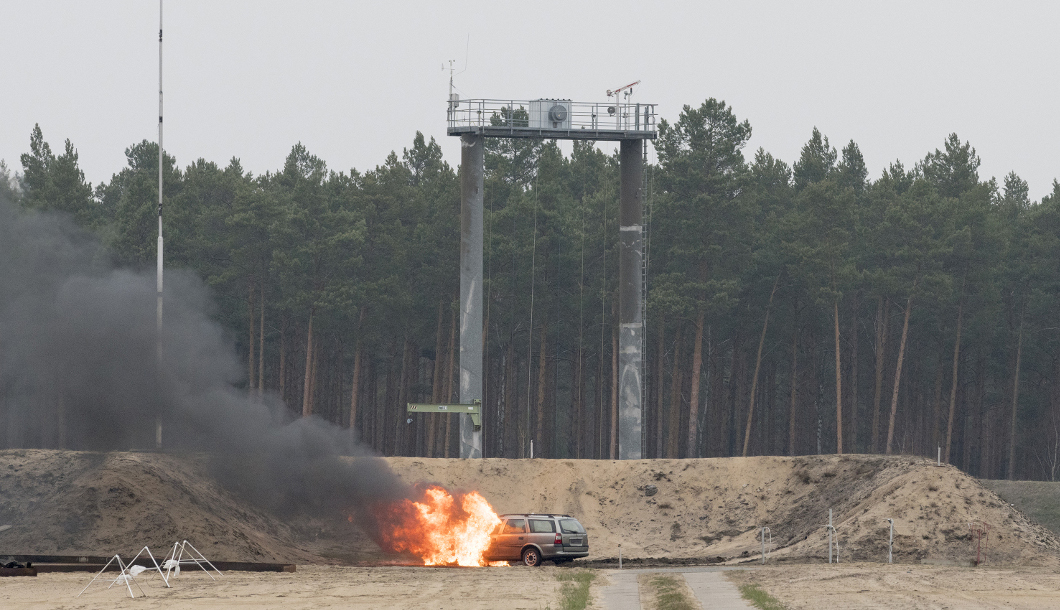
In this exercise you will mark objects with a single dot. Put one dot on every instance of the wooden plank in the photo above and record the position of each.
(90, 563)
(18, 572)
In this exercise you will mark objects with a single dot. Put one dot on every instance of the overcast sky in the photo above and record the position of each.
(356, 80)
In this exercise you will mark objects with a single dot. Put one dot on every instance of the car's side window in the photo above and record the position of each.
(515, 526)
(570, 526)
(541, 526)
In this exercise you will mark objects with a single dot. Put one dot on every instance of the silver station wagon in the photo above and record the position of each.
(532, 538)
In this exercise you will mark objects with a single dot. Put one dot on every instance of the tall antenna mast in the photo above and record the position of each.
(451, 78)
(158, 337)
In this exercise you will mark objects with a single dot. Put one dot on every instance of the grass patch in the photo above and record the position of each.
(670, 594)
(575, 592)
(759, 598)
(1036, 499)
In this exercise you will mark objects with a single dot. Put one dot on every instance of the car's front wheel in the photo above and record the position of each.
(531, 557)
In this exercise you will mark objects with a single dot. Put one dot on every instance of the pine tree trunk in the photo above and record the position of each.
(408, 373)
(838, 384)
(307, 405)
(355, 393)
(601, 404)
(511, 403)
(883, 315)
(693, 394)
(283, 360)
(1015, 399)
(660, 364)
(936, 409)
(794, 384)
(317, 348)
(715, 402)
(898, 367)
(578, 391)
(977, 408)
(261, 345)
(576, 405)
(675, 401)
(953, 383)
(733, 392)
(540, 445)
(251, 369)
(758, 366)
(853, 360)
(436, 380)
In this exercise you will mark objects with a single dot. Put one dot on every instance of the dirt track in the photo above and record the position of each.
(906, 587)
(309, 588)
(798, 587)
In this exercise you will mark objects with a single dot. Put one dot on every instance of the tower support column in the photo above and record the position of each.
(630, 300)
(471, 175)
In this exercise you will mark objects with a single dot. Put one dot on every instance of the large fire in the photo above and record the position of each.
(440, 528)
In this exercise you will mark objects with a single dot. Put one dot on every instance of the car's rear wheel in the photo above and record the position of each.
(531, 557)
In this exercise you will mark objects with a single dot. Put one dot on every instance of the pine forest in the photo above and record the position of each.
(793, 307)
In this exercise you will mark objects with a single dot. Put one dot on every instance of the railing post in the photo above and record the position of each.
(890, 543)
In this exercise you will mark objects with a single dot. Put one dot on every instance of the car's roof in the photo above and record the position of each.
(547, 515)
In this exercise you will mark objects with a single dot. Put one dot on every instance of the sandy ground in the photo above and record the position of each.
(692, 511)
(799, 587)
(309, 588)
(906, 587)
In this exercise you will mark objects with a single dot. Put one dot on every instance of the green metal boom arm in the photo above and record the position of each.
(474, 410)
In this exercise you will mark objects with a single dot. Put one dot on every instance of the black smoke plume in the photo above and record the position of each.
(80, 369)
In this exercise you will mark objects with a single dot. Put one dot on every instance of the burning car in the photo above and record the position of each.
(532, 538)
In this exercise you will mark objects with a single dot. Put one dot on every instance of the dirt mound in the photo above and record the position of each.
(679, 510)
(713, 508)
(74, 503)
(1039, 500)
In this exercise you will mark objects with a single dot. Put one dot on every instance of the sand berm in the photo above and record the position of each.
(696, 510)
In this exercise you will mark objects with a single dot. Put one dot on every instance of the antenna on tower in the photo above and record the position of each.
(158, 280)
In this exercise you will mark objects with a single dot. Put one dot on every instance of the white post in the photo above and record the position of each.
(531, 449)
(890, 543)
(619, 556)
(940, 455)
(830, 530)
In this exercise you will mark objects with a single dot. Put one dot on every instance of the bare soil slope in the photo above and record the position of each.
(85, 503)
(711, 508)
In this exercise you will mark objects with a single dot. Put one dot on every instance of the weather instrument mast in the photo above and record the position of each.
(627, 88)
(473, 120)
(620, 112)
(158, 274)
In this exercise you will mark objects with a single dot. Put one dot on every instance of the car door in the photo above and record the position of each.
(511, 540)
(543, 534)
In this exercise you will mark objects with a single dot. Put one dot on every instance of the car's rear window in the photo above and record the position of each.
(571, 526)
(540, 526)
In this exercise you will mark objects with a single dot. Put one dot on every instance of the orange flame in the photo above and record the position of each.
(440, 528)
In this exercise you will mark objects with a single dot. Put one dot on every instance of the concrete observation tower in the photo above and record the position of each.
(555, 119)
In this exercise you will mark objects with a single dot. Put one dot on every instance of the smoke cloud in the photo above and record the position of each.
(79, 369)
